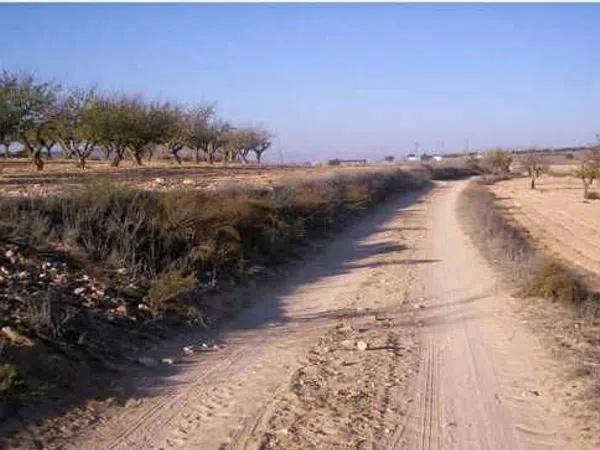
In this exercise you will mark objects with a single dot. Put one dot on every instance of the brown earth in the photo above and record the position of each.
(557, 217)
(397, 335)
(18, 178)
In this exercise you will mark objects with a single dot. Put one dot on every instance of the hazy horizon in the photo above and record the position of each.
(349, 81)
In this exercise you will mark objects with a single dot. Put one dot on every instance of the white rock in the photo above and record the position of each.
(79, 290)
(346, 343)
(147, 361)
(168, 361)
(188, 181)
(16, 337)
(361, 346)
(188, 350)
(132, 403)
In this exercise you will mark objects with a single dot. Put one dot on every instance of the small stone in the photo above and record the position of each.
(168, 361)
(159, 180)
(188, 350)
(122, 310)
(79, 290)
(346, 343)
(144, 307)
(361, 346)
(132, 403)
(188, 181)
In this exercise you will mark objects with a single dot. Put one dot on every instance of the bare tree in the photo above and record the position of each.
(587, 172)
(262, 143)
(535, 167)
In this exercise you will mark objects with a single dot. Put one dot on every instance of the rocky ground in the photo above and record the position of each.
(345, 395)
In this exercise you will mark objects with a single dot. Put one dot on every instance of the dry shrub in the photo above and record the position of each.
(509, 247)
(167, 289)
(551, 280)
(170, 238)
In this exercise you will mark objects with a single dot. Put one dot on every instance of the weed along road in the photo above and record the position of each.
(394, 335)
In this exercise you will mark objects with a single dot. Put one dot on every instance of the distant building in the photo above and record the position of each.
(437, 157)
(412, 157)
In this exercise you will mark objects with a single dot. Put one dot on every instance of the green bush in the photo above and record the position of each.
(167, 288)
(9, 379)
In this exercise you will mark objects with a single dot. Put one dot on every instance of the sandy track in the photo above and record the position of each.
(448, 365)
(482, 383)
(218, 397)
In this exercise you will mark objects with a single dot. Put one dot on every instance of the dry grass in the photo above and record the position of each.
(510, 247)
(569, 323)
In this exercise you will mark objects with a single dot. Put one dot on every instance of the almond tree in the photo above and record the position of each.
(587, 172)
(176, 134)
(74, 126)
(199, 132)
(535, 167)
(10, 112)
(35, 102)
(262, 143)
(241, 142)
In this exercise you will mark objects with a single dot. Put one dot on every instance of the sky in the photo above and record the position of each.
(334, 80)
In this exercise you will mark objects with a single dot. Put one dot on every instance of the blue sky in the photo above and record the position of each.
(337, 80)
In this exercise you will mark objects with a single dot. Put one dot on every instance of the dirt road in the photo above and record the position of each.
(394, 336)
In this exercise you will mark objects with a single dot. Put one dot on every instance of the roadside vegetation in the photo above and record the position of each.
(90, 276)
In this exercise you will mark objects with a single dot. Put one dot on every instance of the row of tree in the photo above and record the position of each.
(41, 115)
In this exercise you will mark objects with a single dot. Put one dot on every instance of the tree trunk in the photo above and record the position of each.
(258, 156)
(137, 156)
(532, 183)
(38, 162)
(585, 190)
(176, 155)
(81, 162)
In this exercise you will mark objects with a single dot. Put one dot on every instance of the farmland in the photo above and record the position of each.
(557, 217)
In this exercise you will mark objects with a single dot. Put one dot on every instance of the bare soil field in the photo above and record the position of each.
(557, 217)
(18, 178)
